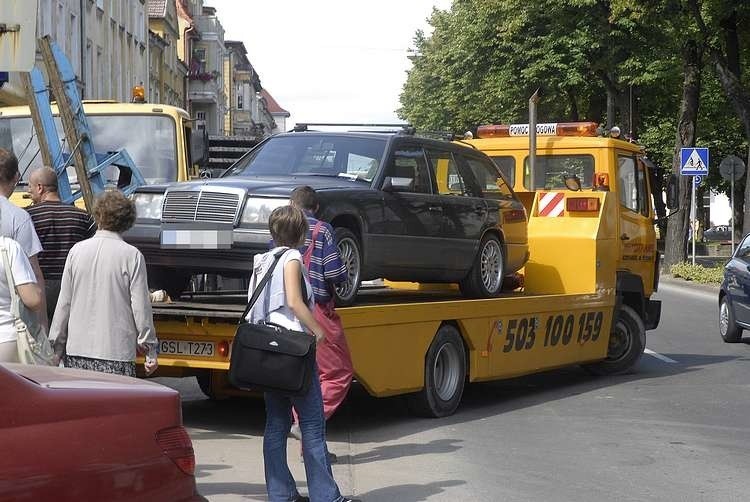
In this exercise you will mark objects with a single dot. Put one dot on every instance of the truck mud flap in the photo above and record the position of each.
(653, 314)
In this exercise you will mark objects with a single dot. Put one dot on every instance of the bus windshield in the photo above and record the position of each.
(149, 139)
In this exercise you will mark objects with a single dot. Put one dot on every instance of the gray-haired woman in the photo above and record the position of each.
(104, 309)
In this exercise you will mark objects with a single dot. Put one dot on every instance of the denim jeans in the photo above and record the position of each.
(279, 481)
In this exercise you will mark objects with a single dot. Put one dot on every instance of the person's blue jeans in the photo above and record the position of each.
(279, 481)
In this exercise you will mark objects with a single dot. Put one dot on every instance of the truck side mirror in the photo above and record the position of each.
(673, 192)
(199, 146)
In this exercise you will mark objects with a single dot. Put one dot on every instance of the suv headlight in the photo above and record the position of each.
(258, 210)
(148, 205)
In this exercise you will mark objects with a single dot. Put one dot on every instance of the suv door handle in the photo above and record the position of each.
(436, 209)
(624, 237)
(480, 209)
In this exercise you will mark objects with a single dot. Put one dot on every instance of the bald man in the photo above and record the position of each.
(58, 226)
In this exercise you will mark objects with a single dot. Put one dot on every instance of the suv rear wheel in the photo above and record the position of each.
(485, 279)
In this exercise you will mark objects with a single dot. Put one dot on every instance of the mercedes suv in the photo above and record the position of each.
(403, 208)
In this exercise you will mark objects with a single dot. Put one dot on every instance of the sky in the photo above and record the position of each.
(329, 60)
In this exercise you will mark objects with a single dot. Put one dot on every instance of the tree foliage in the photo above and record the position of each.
(484, 58)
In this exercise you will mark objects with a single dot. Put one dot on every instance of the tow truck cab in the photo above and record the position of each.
(159, 138)
(572, 155)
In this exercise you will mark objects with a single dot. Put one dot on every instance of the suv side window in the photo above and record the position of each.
(491, 183)
(447, 174)
(408, 163)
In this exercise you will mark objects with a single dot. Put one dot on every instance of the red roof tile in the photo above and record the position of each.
(271, 104)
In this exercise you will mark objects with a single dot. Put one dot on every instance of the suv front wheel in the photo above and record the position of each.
(351, 257)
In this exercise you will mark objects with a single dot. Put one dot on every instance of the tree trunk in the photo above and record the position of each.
(678, 225)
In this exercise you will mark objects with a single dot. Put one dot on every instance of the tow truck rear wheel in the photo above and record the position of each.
(627, 341)
(351, 257)
(204, 382)
(485, 279)
(444, 376)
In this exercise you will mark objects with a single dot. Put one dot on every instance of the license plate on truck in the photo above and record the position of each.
(185, 348)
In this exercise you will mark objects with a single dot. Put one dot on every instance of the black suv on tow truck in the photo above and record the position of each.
(403, 208)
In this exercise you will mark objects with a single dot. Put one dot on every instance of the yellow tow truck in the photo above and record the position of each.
(160, 139)
(585, 299)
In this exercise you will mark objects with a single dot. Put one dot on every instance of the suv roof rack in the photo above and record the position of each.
(395, 128)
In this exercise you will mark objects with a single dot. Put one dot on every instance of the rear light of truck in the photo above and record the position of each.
(514, 216)
(224, 348)
(175, 444)
(582, 204)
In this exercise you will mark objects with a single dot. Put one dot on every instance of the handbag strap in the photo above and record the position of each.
(14, 309)
(309, 251)
(262, 284)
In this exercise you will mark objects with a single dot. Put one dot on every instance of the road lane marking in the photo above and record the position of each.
(659, 356)
(685, 290)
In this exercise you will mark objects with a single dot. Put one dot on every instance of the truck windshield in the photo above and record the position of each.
(551, 171)
(149, 139)
(313, 155)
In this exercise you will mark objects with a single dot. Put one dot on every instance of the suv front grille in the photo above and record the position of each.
(204, 205)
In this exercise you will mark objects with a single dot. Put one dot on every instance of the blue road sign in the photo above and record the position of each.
(694, 161)
(697, 180)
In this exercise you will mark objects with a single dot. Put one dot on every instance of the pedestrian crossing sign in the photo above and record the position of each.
(694, 161)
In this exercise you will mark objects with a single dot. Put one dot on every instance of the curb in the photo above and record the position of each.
(674, 281)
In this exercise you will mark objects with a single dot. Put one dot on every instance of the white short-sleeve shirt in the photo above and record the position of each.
(22, 274)
(16, 223)
(284, 316)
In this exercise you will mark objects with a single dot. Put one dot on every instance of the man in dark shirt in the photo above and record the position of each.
(58, 226)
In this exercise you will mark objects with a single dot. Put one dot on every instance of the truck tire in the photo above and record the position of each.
(728, 329)
(627, 341)
(485, 279)
(351, 256)
(444, 376)
(204, 382)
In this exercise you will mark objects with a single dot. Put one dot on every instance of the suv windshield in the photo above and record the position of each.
(313, 155)
(149, 139)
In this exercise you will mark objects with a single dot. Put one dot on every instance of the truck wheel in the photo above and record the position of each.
(627, 341)
(485, 279)
(351, 256)
(444, 376)
(204, 382)
(728, 329)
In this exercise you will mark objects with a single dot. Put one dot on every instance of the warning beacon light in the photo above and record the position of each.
(550, 129)
(138, 94)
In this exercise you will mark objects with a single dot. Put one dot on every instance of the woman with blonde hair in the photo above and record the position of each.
(104, 309)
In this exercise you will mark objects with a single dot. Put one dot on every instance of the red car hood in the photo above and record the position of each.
(68, 378)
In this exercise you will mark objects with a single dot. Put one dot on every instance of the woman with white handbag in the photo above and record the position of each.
(16, 278)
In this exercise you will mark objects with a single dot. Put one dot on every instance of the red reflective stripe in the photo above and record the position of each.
(547, 205)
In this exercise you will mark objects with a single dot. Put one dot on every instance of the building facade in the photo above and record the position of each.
(277, 113)
(241, 85)
(106, 42)
(206, 100)
(167, 74)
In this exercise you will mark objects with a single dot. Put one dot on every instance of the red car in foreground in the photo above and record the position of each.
(78, 435)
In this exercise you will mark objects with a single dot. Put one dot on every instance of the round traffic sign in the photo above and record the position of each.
(732, 167)
(697, 180)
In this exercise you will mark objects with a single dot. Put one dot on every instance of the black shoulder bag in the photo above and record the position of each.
(269, 357)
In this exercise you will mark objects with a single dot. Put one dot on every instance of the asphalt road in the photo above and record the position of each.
(677, 428)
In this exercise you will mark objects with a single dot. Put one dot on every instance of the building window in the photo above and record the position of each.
(100, 4)
(239, 101)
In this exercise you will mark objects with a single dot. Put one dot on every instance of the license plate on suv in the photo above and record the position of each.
(185, 348)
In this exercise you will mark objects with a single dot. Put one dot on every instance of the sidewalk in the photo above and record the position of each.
(678, 282)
